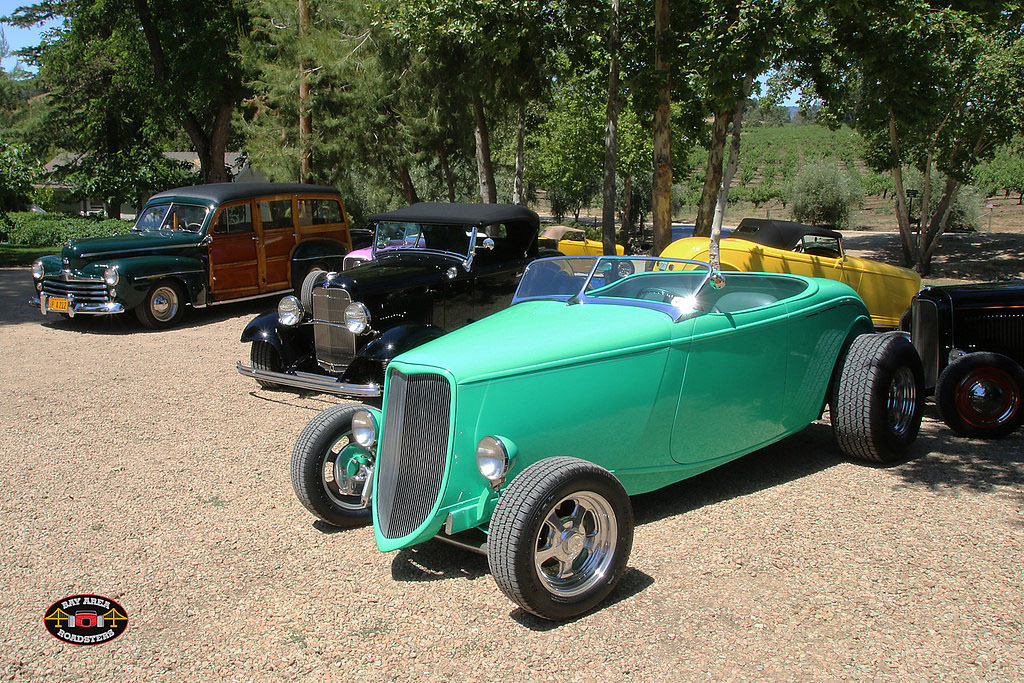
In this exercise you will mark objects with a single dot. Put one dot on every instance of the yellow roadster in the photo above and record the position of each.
(571, 241)
(770, 246)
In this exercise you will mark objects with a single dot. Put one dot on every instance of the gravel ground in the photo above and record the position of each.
(142, 467)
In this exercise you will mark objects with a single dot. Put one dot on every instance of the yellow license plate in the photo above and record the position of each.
(57, 304)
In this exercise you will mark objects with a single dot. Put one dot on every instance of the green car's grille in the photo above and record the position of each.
(414, 451)
(335, 344)
(83, 291)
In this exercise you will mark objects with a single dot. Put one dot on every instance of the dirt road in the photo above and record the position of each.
(140, 466)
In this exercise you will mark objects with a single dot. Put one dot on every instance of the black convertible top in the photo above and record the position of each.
(226, 192)
(779, 234)
(460, 214)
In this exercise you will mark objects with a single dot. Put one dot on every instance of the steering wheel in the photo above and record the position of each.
(624, 268)
(663, 294)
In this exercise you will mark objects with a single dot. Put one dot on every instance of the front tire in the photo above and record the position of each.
(878, 400)
(163, 306)
(560, 537)
(329, 469)
(264, 356)
(979, 395)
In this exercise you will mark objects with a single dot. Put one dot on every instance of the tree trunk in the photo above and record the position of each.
(449, 179)
(730, 171)
(611, 137)
(305, 117)
(484, 168)
(518, 184)
(112, 208)
(661, 200)
(902, 215)
(407, 187)
(712, 175)
(931, 232)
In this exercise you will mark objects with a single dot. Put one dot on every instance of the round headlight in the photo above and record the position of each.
(364, 428)
(37, 270)
(357, 318)
(110, 276)
(492, 458)
(289, 311)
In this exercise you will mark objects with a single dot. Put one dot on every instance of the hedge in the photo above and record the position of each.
(51, 229)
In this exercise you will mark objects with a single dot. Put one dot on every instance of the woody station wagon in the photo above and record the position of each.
(198, 246)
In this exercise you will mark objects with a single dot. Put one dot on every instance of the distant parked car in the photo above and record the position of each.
(971, 342)
(570, 241)
(524, 434)
(763, 245)
(435, 267)
(198, 246)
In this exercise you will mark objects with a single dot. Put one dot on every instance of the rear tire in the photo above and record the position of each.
(877, 401)
(979, 395)
(264, 356)
(315, 276)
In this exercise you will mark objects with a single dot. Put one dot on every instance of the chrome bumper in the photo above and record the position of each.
(74, 309)
(311, 382)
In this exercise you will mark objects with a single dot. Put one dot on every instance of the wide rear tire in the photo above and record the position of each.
(878, 398)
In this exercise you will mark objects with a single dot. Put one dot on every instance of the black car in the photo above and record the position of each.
(971, 341)
(435, 268)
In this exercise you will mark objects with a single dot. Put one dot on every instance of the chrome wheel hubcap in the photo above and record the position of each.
(902, 400)
(164, 304)
(987, 398)
(576, 544)
(343, 477)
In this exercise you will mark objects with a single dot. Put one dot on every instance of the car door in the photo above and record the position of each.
(733, 388)
(277, 235)
(234, 261)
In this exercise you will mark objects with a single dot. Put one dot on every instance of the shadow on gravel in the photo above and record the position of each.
(436, 561)
(955, 462)
(15, 290)
(809, 451)
(977, 256)
(633, 582)
(287, 398)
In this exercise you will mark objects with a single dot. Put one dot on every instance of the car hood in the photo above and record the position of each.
(369, 282)
(540, 335)
(80, 252)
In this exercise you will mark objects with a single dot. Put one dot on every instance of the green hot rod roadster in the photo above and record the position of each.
(524, 434)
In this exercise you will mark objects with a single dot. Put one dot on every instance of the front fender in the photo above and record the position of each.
(294, 344)
(399, 339)
(138, 273)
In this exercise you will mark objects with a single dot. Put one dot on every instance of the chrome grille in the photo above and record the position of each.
(925, 335)
(993, 331)
(414, 451)
(335, 345)
(83, 291)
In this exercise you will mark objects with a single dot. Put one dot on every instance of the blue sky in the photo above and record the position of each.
(18, 37)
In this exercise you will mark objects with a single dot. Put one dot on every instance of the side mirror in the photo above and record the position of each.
(208, 240)
(487, 244)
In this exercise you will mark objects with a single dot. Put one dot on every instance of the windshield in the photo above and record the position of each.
(170, 216)
(669, 285)
(452, 239)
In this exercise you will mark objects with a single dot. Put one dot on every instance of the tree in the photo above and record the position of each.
(928, 85)
(16, 175)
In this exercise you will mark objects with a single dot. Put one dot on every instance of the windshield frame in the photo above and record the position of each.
(170, 203)
(387, 252)
(583, 296)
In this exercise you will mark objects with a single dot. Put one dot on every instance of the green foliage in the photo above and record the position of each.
(823, 195)
(16, 174)
(45, 230)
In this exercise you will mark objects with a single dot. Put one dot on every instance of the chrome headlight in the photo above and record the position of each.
(494, 458)
(110, 276)
(37, 270)
(357, 318)
(289, 311)
(364, 428)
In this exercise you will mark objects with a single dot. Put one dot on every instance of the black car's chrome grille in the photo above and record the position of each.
(81, 290)
(335, 344)
(414, 451)
(993, 331)
(925, 334)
